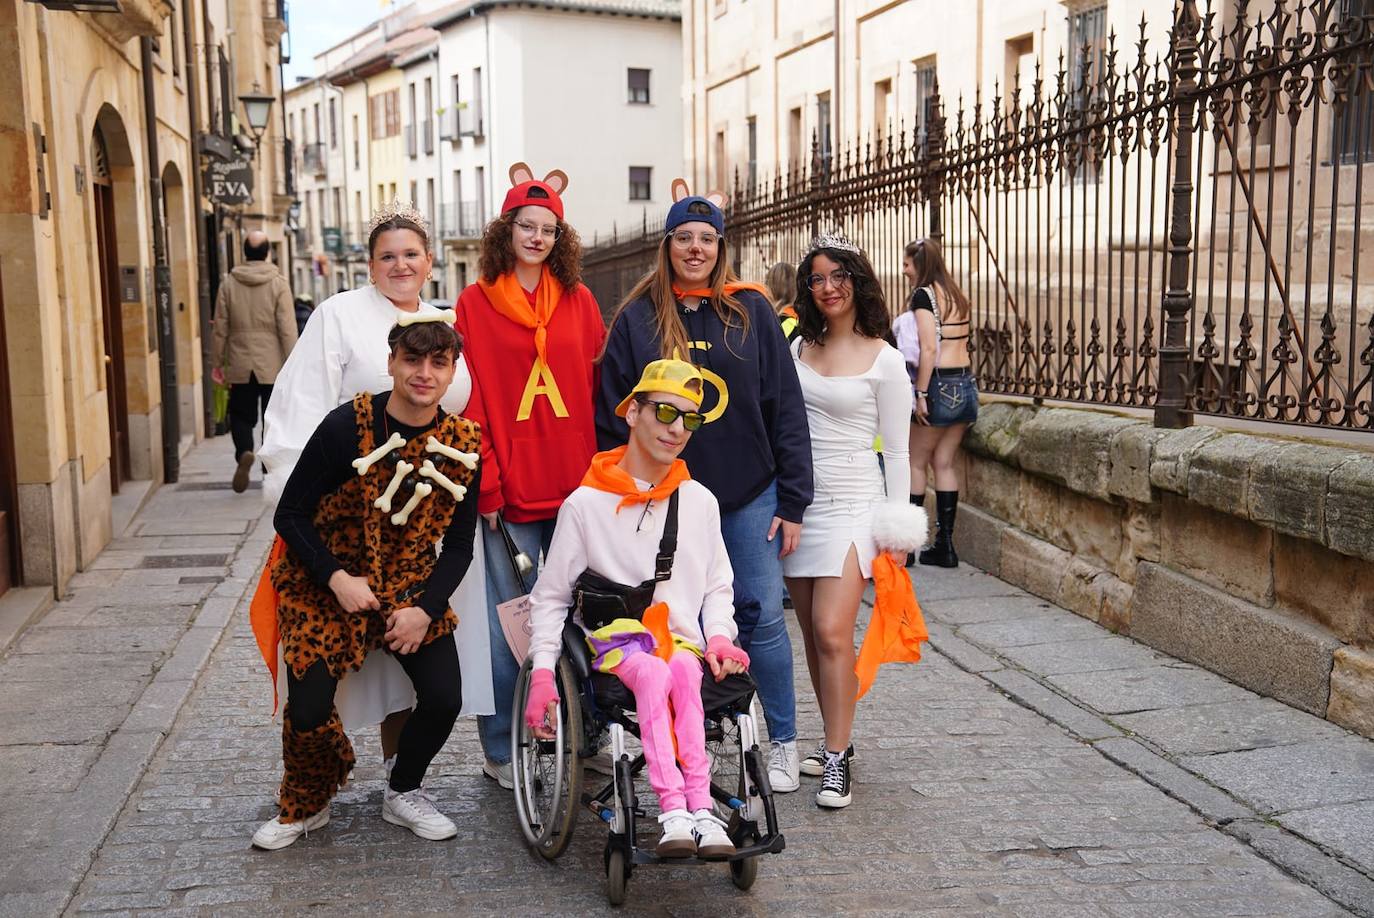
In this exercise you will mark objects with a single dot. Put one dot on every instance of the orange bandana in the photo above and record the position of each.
(508, 298)
(729, 288)
(605, 474)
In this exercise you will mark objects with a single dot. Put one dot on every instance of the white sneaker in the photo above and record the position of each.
(499, 772)
(415, 811)
(275, 834)
(712, 840)
(679, 834)
(783, 773)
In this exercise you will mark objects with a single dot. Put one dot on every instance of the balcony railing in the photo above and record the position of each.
(460, 221)
(313, 159)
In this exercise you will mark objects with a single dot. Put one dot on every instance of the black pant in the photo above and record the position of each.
(433, 669)
(244, 402)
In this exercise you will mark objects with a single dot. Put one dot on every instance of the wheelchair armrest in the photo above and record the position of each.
(575, 649)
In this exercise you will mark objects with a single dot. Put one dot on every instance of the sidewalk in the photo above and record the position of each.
(93, 687)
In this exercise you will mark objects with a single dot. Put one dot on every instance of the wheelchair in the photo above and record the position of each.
(549, 775)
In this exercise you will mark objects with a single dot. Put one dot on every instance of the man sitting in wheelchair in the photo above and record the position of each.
(618, 529)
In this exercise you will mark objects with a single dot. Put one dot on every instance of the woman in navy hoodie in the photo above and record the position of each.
(754, 453)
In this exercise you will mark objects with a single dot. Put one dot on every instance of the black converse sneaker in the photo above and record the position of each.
(814, 763)
(835, 791)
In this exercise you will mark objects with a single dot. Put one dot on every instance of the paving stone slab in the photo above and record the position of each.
(1343, 885)
(132, 639)
(964, 654)
(1229, 726)
(1040, 629)
(1301, 776)
(1085, 656)
(988, 609)
(1125, 690)
(176, 527)
(963, 582)
(1081, 723)
(1347, 828)
(44, 768)
(95, 666)
(1213, 803)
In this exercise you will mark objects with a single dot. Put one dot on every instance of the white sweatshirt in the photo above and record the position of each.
(591, 534)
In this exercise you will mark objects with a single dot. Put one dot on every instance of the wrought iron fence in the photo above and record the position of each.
(1178, 228)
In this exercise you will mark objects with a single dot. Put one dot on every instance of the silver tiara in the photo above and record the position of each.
(833, 241)
(395, 209)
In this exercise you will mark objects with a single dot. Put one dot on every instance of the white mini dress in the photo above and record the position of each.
(846, 414)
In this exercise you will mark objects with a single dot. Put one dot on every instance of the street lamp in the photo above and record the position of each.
(257, 106)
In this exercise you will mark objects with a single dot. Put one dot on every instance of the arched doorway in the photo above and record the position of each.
(184, 303)
(108, 147)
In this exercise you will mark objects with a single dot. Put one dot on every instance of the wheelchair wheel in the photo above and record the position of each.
(743, 873)
(617, 877)
(547, 773)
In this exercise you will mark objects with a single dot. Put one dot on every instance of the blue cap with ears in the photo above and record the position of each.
(694, 209)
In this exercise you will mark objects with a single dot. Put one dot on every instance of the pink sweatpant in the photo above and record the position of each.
(654, 683)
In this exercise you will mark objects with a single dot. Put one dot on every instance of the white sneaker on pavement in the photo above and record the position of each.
(679, 834)
(783, 773)
(500, 772)
(712, 840)
(275, 834)
(415, 810)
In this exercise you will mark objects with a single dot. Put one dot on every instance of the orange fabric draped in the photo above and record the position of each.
(732, 287)
(605, 474)
(262, 615)
(508, 298)
(897, 628)
(656, 620)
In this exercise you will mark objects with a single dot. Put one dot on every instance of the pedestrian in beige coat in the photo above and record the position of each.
(254, 330)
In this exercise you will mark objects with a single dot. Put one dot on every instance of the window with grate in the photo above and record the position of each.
(1352, 126)
(641, 183)
(925, 98)
(638, 82)
(1087, 48)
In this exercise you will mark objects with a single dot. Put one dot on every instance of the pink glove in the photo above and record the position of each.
(542, 691)
(724, 650)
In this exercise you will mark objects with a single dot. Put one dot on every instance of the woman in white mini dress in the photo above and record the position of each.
(342, 352)
(856, 388)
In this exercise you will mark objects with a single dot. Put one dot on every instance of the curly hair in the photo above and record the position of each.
(497, 253)
(870, 306)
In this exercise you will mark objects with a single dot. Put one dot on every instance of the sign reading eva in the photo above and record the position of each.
(229, 181)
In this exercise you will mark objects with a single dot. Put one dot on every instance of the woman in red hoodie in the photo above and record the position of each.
(531, 336)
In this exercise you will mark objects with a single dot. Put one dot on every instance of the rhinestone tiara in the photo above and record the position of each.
(833, 241)
(395, 209)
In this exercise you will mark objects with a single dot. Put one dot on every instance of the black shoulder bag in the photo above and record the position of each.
(601, 601)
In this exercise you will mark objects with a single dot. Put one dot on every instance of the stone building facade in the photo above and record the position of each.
(108, 258)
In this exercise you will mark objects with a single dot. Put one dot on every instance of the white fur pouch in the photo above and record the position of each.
(900, 527)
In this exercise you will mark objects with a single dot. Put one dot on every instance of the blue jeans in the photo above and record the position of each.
(503, 585)
(758, 609)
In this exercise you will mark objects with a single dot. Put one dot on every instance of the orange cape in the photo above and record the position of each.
(897, 628)
(508, 298)
(262, 615)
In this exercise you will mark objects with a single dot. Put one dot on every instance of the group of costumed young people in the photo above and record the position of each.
(407, 447)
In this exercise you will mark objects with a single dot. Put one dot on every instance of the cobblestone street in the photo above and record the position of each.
(1006, 774)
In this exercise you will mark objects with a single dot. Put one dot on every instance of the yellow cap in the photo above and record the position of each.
(676, 377)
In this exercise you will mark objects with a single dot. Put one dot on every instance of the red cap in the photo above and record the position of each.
(536, 193)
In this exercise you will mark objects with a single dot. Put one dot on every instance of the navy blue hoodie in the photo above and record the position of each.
(761, 435)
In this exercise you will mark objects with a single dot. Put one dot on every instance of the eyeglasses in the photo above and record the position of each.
(667, 414)
(684, 239)
(837, 279)
(550, 233)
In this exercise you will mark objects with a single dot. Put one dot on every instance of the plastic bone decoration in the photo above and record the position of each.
(403, 469)
(447, 316)
(363, 463)
(429, 471)
(457, 455)
(422, 491)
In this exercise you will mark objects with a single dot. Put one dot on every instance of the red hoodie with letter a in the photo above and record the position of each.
(538, 421)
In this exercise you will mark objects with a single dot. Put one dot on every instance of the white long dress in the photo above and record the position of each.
(845, 414)
(343, 352)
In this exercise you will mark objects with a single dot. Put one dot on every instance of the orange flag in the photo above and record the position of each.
(262, 614)
(897, 628)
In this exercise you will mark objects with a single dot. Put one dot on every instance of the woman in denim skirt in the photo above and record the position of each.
(946, 395)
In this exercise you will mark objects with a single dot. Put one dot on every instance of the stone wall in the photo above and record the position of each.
(1248, 555)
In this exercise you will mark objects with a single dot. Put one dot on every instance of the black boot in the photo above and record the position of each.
(941, 554)
(919, 500)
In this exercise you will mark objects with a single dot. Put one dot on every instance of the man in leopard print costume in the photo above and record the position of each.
(380, 482)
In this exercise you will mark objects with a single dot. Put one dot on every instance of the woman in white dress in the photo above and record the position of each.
(342, 352)
(855, 387)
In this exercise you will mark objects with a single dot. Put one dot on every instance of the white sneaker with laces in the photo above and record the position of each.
(836, 789)
(679, 834)
(712, 839)
(275, 834)
(783, 773)
(415, 810)
(500, 772)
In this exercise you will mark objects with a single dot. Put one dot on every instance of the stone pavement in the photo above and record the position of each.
(1032, 764)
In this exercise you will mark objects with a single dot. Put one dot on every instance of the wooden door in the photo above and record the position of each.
(9, 487)
(116, 396)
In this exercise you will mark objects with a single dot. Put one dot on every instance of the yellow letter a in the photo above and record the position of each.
(541, 382)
